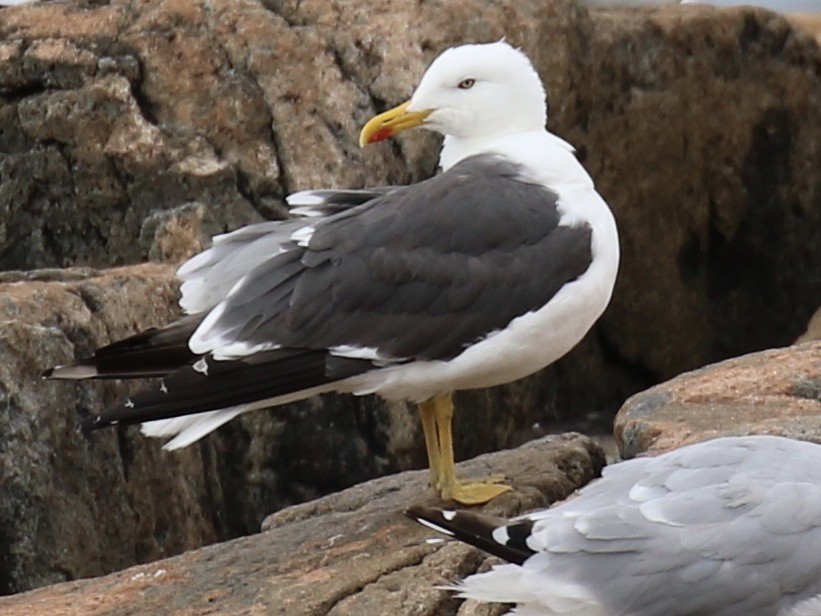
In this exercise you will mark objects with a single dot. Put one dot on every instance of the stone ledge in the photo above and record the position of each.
(351, 553)
(771, 392)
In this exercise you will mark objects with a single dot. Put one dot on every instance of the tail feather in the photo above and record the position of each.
(210, 385)
(198, 426)
(497, 536)
(154, 352)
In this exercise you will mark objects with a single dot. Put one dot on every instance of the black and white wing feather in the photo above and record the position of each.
(499, 537)
(326, 202)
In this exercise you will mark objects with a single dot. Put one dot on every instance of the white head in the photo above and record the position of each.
(472, 91)
(481, 91)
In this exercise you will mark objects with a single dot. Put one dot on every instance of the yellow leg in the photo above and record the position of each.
(444, 429)
(427, 410)
(466, 493)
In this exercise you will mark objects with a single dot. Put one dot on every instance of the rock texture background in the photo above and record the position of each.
(770, 392)
(348, 554)
(73, 507)
(133, 131)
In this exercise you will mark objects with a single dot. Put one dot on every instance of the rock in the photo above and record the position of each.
(171, 121)
(351, 553)
(106, 119)
(706, 190)
(813, 331)
(771, 392)
(178, 234)
(72, 507)
(809, 22)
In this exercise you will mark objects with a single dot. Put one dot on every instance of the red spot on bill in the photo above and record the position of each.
(381, 135)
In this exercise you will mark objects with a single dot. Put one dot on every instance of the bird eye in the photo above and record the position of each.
(466, 84)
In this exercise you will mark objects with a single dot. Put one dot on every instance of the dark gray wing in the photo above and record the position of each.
(420, 272)
(208, 277)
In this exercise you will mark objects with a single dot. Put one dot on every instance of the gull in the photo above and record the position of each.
(479, 276)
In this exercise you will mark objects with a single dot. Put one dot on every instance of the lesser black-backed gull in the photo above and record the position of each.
(728, 527)
(479, 276)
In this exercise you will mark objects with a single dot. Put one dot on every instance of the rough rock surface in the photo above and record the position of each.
(351, 553)
(813, 331)
(808, 22)
(133, 130)
(772, 392)
(73, 507)
(65, 501)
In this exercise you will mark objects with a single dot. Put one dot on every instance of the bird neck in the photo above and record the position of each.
(544, 159)
(548, 159)
(456, 149)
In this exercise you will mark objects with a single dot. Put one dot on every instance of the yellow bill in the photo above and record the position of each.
(387, 124)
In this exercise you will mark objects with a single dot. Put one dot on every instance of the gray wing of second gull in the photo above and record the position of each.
(729, 527)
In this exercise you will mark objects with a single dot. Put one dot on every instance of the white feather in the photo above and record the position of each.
(809, 607)
(162, 428)
(355, 352)
(235, 350)
(303, 236)
(305, 198)
(523, 585)
(306, 212)
(191, 428)
(205, 424)
(208, 277)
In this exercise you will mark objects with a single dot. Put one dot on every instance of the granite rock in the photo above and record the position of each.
(351, 553)
(813, 331)
(72, 507)
(770, 392)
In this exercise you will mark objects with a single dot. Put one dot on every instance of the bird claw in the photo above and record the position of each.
(476, 492)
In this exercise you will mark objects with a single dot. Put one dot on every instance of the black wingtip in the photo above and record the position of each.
(433, 518)
(477, 530)
(78, 371)
(91, 423)
(419, 512)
